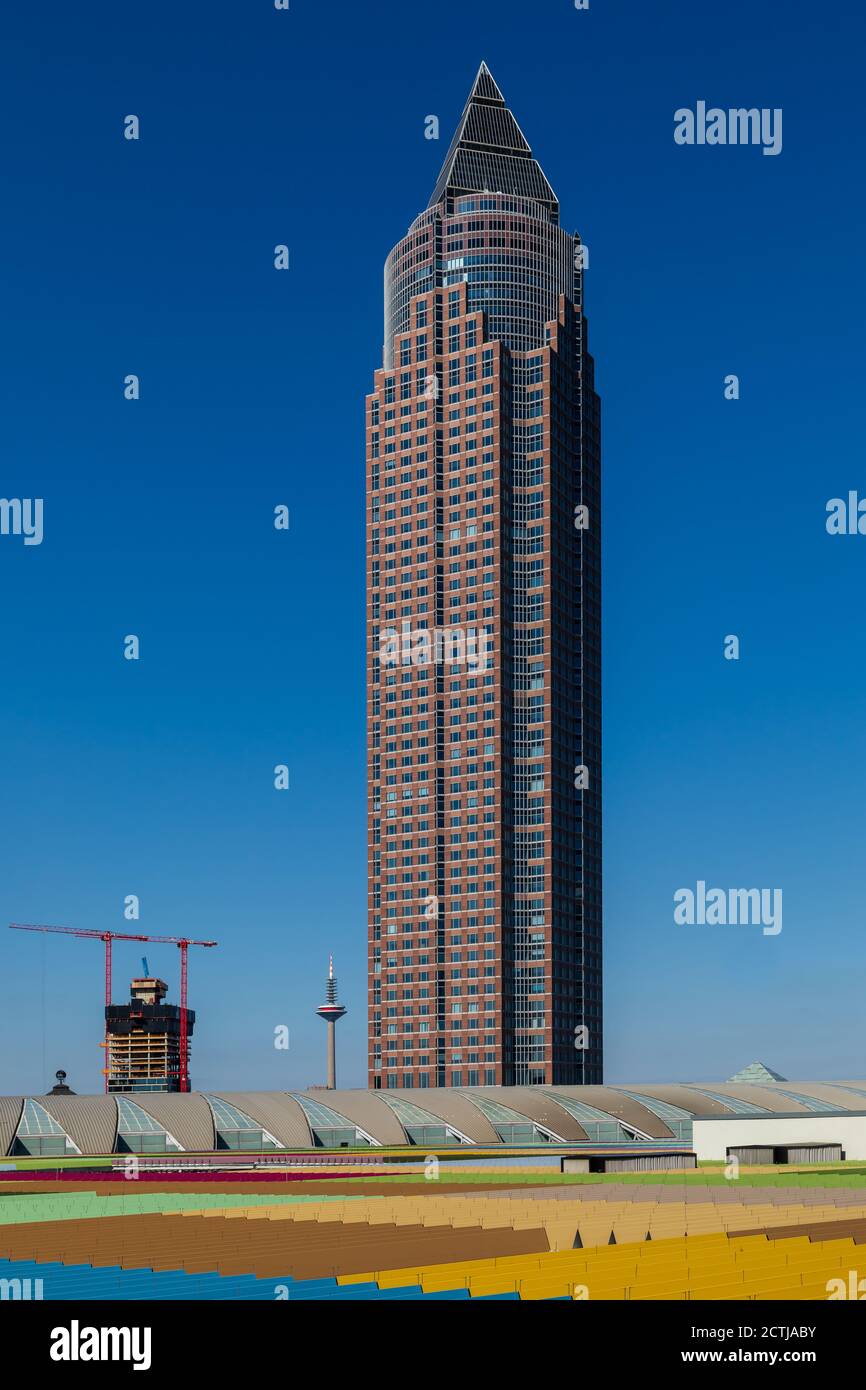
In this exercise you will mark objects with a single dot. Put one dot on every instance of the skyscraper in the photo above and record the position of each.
(484, 636)
(143, 1039)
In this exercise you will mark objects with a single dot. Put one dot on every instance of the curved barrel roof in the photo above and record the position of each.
(484, 1115)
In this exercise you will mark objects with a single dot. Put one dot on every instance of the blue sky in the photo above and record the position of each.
(155, 257)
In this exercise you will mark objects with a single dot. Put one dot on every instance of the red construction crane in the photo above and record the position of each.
(183, 942)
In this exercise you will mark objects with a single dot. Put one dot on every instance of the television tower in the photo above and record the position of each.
(331, 1012)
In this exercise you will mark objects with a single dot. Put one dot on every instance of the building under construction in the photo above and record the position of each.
(143, 1039)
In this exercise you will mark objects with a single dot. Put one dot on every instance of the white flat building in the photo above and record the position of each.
(782, 1138)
